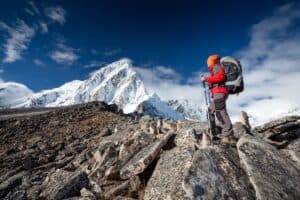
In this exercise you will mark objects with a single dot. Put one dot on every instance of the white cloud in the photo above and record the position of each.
(44, 27)
(29, 11)
(34, 7)
(271, 71)
(271, 62)
(57, 14)
(64, 55)
(19, 38)
(112, 52)
(165, 81)
(95, 63)
(38, 62)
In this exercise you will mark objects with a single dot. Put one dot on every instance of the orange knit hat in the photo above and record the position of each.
(213, 59)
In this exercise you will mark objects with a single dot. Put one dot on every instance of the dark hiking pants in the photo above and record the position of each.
(218, 106)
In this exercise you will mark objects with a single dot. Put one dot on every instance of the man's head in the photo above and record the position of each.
(213, 60)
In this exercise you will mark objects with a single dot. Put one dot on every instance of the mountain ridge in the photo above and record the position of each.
(117, 83)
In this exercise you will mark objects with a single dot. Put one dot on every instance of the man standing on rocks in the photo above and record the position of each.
(219, 94)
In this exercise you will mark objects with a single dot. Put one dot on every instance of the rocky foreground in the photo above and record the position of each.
(93, 151)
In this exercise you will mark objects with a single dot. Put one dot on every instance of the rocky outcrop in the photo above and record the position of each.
(62, 184)
(216, 173)
(92, 151)
(269, 168)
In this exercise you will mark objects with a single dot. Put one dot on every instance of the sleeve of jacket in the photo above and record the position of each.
(218, 77)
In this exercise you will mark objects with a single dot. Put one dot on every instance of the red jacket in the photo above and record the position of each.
(217, 76)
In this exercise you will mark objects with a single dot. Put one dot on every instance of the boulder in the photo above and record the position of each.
(189, 138)
(294, 151)
(215, 173)
(63, 184)
(272, 174)
(11, 183)
(143, 158)
(168, 176)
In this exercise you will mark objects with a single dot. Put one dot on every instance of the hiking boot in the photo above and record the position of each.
(231, 140)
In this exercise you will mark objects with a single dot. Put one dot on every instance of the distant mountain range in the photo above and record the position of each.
(117, 83)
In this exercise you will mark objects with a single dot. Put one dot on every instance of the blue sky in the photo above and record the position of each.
(44, 44)
(176, 34)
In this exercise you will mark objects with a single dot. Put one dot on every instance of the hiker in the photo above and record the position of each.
(219, 93)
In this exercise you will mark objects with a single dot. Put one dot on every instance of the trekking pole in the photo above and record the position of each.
(208, 115)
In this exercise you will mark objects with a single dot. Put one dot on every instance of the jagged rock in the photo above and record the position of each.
(134, 144)
(86, 193)
(272, 174)
(215, 173)
(17, 193)
(96, 189)
(294, 151)
(169, 125)
(277, 122)
(188, 138)
(130, 185)
(63, 184)
(11, 183)
(142, 159)
(168, 176)
(239, 130)
(123, 198)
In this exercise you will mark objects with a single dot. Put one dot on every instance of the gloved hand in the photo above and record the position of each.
(202, 78)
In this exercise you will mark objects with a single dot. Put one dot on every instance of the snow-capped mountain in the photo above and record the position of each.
(12, 94)
(117, 83)
(188, 109)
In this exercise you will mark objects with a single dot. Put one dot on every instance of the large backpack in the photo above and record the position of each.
(234, 77)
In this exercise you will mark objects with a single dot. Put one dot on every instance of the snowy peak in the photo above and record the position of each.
(117, 83)
(12, 94)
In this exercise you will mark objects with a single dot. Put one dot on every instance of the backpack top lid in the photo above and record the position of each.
(230, 60)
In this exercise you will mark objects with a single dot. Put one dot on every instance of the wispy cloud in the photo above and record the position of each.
(271, 71)
(64, 54)
(38, 62)
(166, 82)
(20, 35)
(28, 11)
(34, 7)
(95, 63)
(44, 27)
(57, 14)
(271, 63)
(112, 52)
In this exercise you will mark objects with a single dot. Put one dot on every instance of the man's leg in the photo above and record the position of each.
(222, 115)
(212, 121)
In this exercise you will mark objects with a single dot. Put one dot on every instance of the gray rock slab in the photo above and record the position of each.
(272, 174)
(63, 184)
(142, 159)
(167, 179)
(215, 173)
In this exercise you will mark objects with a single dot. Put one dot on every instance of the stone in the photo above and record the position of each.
(239, 130)
(188, 138)
(169, 125)
(272, 174)
(18, 193)
(215, 173)
(86, 193)
(275, 123)
(63, 184)
(142, 159)
(153, 129)
(117, 190)
(167, 179)
(11, 183)
(294, 151)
